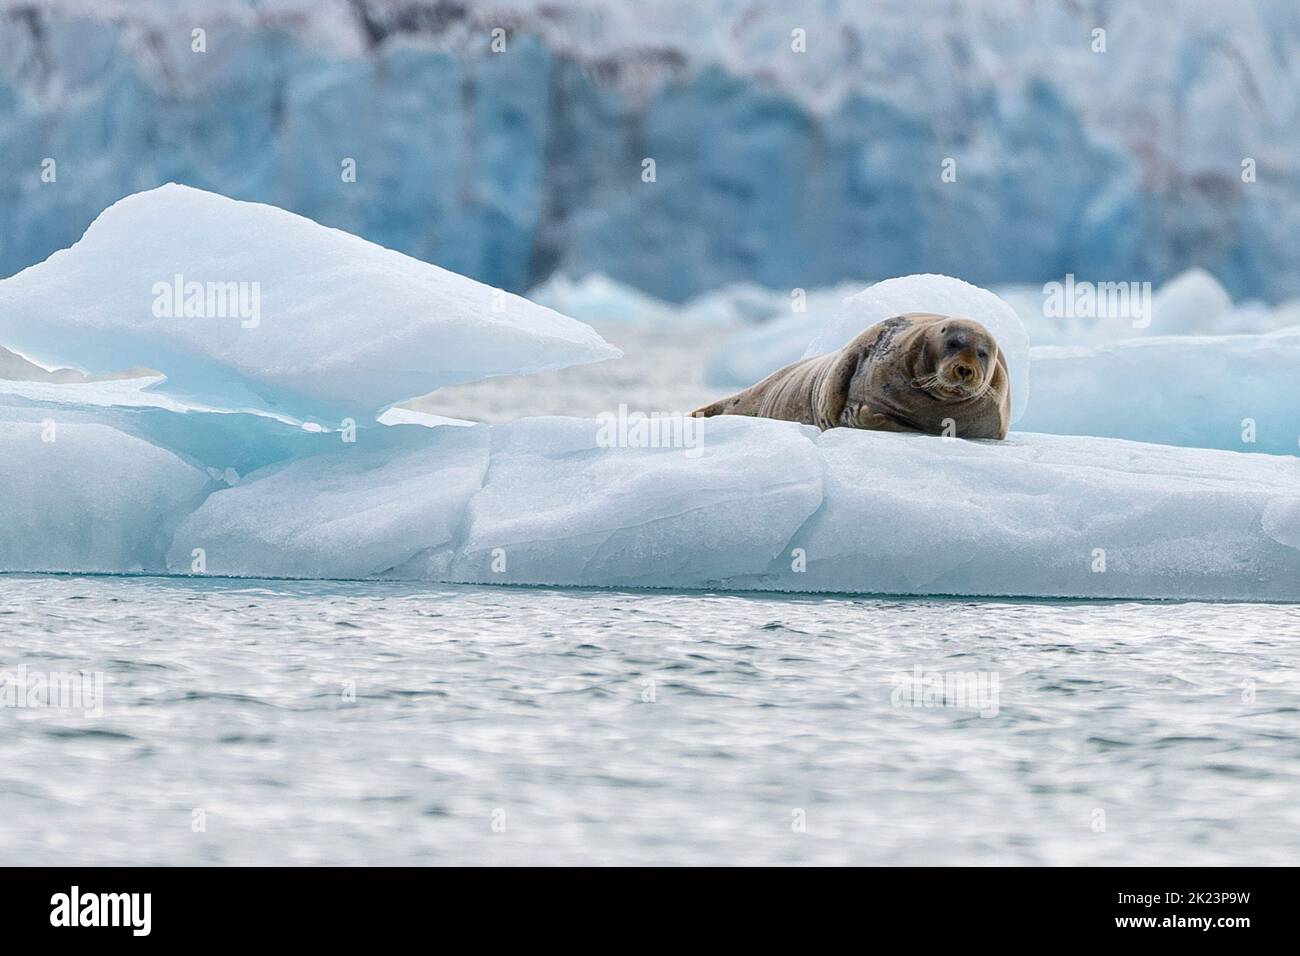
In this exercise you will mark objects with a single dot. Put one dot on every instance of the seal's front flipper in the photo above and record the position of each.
(708, 411)
(863, 417)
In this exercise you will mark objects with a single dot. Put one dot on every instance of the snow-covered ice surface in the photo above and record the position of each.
(242, 301)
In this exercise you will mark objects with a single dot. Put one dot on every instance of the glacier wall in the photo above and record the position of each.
(788, 169)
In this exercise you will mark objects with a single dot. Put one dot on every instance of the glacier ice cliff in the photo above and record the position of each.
(789, 169)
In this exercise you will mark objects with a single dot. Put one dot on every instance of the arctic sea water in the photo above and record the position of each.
(348, 723)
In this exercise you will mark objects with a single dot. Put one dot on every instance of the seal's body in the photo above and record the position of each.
(918, 373)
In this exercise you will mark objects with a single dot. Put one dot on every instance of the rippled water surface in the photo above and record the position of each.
(366, 723)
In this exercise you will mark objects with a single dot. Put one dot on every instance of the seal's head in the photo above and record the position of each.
(958, 359)
(920, 372)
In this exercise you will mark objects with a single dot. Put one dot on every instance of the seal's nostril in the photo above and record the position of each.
(964, 371)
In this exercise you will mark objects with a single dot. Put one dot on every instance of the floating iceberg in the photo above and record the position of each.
(765, 505)
(1235, 392)
(606, 303)
(141, 474)
(1191, 303)
(242, 303)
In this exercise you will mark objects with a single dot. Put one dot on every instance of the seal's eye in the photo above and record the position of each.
(953, 345)
(983, 353)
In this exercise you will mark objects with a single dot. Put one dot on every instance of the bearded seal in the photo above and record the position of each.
(915, 373)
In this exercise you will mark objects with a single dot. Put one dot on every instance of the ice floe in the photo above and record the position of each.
(770, 506)
(1193, 302)
(745, 504)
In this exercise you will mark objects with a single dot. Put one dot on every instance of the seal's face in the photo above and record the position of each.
(961, 357)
